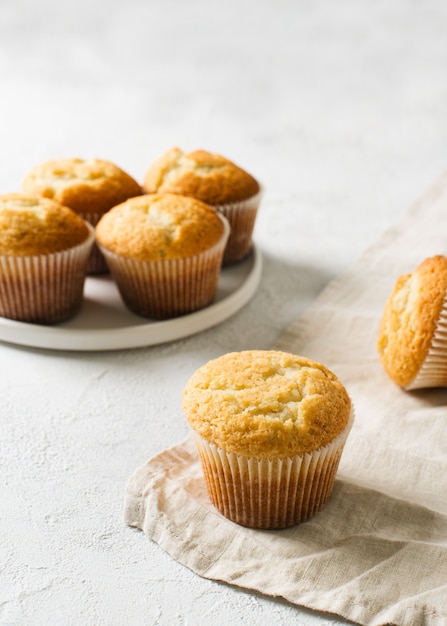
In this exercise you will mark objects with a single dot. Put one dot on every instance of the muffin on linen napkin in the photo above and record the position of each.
(270, 428)
(412, 342)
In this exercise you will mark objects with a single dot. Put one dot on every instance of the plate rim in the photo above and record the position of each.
(134, 336)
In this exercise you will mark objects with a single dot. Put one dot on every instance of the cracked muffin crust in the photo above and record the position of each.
(32, 226)
(155, 227)
(266, 404)
(84, 185)
(201, 174)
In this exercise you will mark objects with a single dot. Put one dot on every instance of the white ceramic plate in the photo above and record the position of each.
(105, 324)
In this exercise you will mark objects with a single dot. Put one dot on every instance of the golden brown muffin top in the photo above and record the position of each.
(32, 226)
(200, 174)
(266, 404)
(409, 319)
(84, 185)
(154, 227)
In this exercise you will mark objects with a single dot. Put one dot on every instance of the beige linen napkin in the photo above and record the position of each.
(377, 553)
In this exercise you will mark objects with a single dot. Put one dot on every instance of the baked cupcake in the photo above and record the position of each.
(44, 250)
(412, 341)
(217, 181)
(270, 428)
(90, 187)
(164, 252)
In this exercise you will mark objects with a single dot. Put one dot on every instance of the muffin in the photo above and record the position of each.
(270, 428)
(164, 252)
(44, 250)
(217, 181)
(89, 187)
(412, 342)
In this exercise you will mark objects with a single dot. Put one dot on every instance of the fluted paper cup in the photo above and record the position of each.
(270, 493)
(241, 216)
(96, 263)
(433, 371)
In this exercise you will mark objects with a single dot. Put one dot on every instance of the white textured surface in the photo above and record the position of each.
(339, 108)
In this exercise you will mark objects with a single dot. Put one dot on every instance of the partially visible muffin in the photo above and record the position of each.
(44, 250)
(90, 187)
(412, 341)
(215, 180)
(164, 252)
(270, 428)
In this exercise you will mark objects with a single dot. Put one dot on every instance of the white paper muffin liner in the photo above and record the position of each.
(44, 289)
(270, 493)
(242, 217)
(96, 263)
(433, 371)
(168, 288)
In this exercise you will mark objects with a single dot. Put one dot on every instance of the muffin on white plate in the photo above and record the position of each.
(217, 181)
(412, 341)
(164, 252)
(44, 250)
(90, 187)
(270, 428)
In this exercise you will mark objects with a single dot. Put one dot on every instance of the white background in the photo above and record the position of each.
(338, 108)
